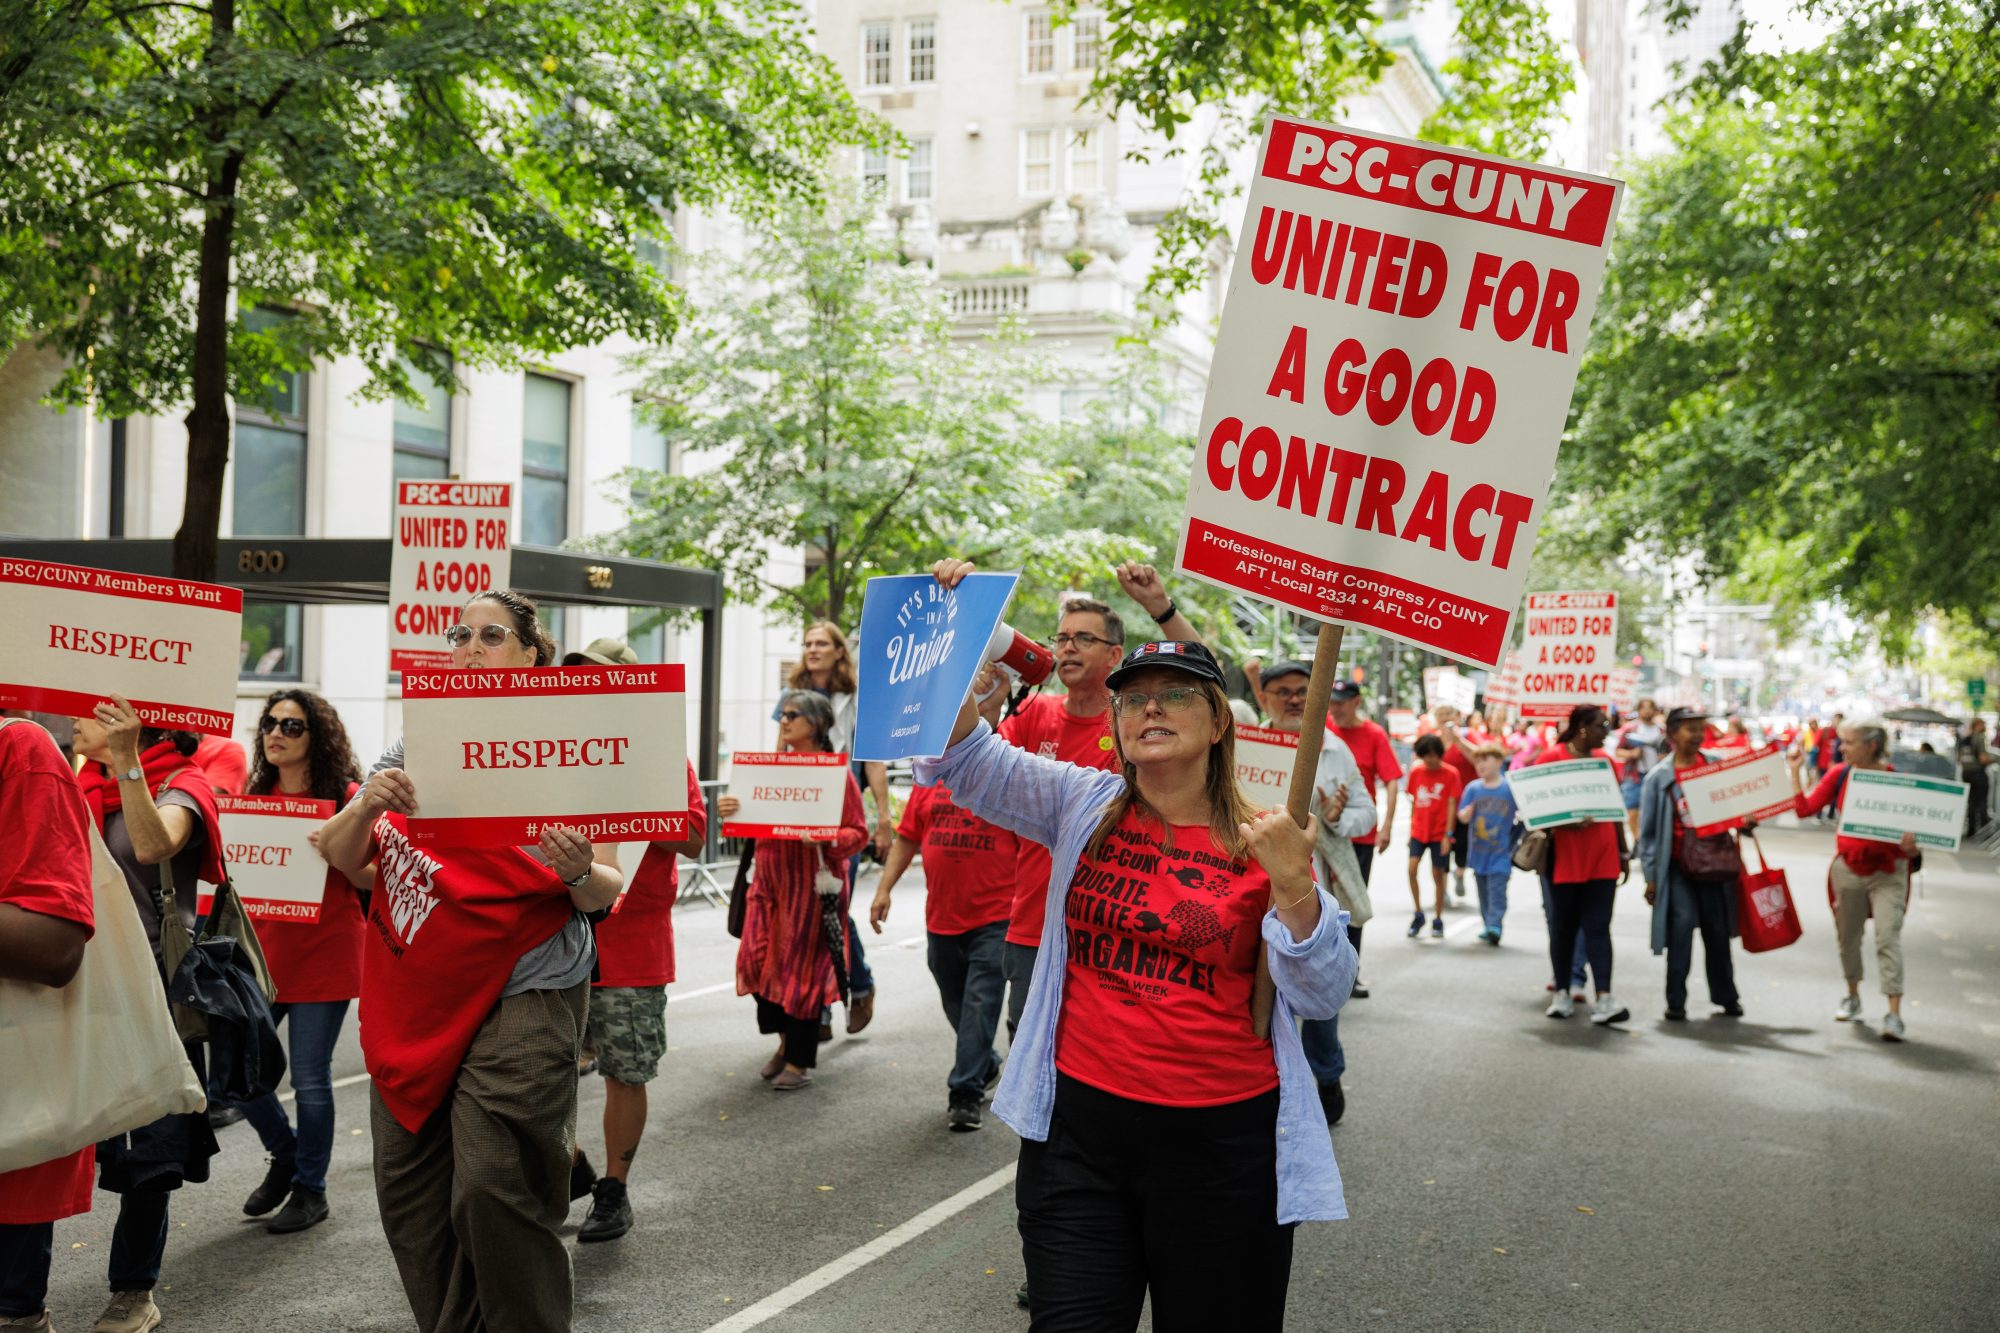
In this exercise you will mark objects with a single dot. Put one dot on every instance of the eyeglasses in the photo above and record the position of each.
(1084, 641)
(1173, 699)
(790, 715)
(293, 727)
(1287, 696)
(492, 636)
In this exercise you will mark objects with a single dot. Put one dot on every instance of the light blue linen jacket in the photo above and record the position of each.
(1058, 805)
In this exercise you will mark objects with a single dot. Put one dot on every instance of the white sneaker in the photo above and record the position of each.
(1892, 1027)
(1608, 1010)
(1850, 1009)
(1458, 884)
(1562, 1006)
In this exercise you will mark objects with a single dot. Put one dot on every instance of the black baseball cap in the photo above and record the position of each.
(1192, 658)
(1345, 689)
(1676, 716)
(1288, 667)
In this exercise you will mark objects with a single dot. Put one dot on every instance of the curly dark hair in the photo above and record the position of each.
(330, 764)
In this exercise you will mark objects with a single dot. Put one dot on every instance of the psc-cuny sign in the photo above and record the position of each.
(919, 648)
(496, 756)
(1446, 687)
(267, 843)
(1566, 791)
(451, 543)
(1569, 648)
(1722, 794)
(1882, 807)
(76, 636)
(1401, 338)
(1264, 758)
(781, 794)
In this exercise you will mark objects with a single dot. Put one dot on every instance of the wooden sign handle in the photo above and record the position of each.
(1298, 802)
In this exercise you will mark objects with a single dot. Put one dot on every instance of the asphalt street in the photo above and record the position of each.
(1504, 1171)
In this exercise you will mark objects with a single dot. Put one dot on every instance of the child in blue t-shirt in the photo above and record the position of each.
(1488, 808)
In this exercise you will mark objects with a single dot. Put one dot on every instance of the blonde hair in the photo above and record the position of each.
(840, 676)
(1227, 807)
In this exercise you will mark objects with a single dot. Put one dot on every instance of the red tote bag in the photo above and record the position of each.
(1765, 917)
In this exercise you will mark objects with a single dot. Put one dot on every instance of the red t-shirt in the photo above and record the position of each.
(318, 960)
(1045, 727)
(445, 929)
(968, 863)
(1434, 794)
(1162, 954)
(48, 873)
(1459, 762)
(635, 944)
(1582, 851)
(1373, 754)
(223, 763)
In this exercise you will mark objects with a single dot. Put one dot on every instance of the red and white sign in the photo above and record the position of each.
(451, 543)
(1401, 724)
(1446, 687)
(1721, 795)
(272, 862)
(1401, 338)
(76, 636)
(1264, 758)
(1504, 688)
(496, 756)
(785, 795)
(1568, 652)
(1625, 690)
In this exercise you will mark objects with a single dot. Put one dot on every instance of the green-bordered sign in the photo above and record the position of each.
(1882, 807)
(1975, 690)
(1567, 791)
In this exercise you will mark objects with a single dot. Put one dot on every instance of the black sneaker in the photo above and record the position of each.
(1360, 991)
(610, 1212)
(1731, 1010)
(963, 1117)
(1417, 926)
(1677, 1015)
(1021, 1296)
(277, 1184)
(1333, 1101)
(306, 1208)
(582, 1179)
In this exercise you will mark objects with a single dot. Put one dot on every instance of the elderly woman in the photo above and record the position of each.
(1867, 878)
(1167, 1146)
(784, 959)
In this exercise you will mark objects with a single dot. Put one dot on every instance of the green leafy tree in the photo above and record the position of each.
(469, 178)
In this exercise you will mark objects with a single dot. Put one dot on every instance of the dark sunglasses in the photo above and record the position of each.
(294, 727)
(790, 715)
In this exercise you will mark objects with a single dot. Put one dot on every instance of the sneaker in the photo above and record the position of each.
(963, 1117)
(1892, 1027)
(1437, 927)
(277, 1184)
(1676, 1015)
(1734, 1009)
(1458, 884)
(582, 1178)
(792, 1081)
(29, 1323)
(306, 1208)
(1417, 925)
(610, 1213)
(1608, 1010)
(1850, 1009)
(1333, 1101)
(129, 1312)
(1562, 1006)
(860, 1011)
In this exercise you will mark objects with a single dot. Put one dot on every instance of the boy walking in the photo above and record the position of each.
(1434, 791)
(1487, 810)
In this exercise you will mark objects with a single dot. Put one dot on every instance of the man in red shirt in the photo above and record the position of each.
(1376, 758)
(1434, 791)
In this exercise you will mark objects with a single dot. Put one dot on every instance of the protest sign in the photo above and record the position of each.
(1264, 765)
(1625, 690)
(76, 636)
(451, 543)
(1882, 807)
(919, 647)
(1568, 651)
(272, 863)
(1401, 724)
(1400, 340)
(496, 755)
(1445, 687)
(1721, 795)
(1504, 687)
(1566, 792)
(786, 795)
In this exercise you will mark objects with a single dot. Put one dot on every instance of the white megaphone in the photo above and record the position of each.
(1028, 660)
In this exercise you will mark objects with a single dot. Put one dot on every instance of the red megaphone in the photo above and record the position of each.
(1020, 654)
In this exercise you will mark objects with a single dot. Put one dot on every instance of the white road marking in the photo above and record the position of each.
(827, 1274)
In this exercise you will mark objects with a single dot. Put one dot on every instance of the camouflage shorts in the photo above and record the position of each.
(628, 1030)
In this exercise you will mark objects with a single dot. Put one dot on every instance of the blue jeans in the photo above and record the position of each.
(970, 983)
(1321, 1039)
(1579, 948)
(25, 1248)
(315, 1029)
(860, 976)
(1492, 897)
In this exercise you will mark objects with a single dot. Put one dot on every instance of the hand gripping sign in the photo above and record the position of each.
(1264, 765)
(267, 843)
(77, 636)
(497, 755)
(1401, 338)
(451, 542)
(919, 647)
(785, 795)
(1882, 807)
(1722, 794)
(1566, 791)
(1569, 650)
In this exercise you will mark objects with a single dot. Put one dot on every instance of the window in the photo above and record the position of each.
(875, 170)
(545, 461)
(920, 40)
(1084, 166)
(878, 54)
(270, 451)
(1039, 54)
(270, 643)
(1038, 162)
(423, 429)
(646, 633)
(650, 450)
(919, 174)
(1086, 39)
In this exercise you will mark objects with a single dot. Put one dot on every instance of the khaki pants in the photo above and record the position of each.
(471, 1202)
(1853, 896)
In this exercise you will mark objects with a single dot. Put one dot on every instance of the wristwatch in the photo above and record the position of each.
(133, 774)
(580, 880)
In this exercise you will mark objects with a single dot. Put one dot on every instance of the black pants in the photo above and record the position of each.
(1585, 906)
(1975, 800)
(1698, 905)
(801, 1034)
(1127, 1197)
(1364, 857)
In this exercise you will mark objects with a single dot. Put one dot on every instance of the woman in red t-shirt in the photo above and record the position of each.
(1587, 866)
(302, 750)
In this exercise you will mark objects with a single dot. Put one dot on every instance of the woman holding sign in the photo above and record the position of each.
(1587, 864)
(1867, 878)
(302, 750)
(1690, 880)
(1166, 1147)
(784, 960)
(475, 975)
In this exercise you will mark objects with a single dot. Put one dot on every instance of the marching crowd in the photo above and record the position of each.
(1095, 882)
